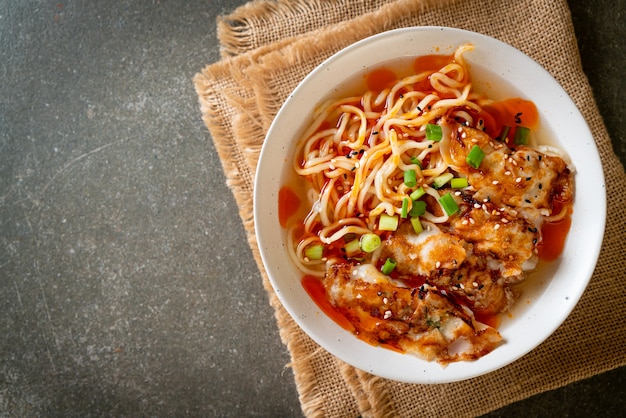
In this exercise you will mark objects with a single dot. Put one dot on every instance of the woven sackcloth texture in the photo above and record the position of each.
(269, 46)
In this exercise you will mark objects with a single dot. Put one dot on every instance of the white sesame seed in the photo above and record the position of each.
(474, 284)
(355, 272)
(507, 173)
(477, 205)
(472, 221)
(496, 226)
(457, 193)
(306, 259)
(387, 315)
(485, 208)
(518, 180)
(461, 286)
(359, 296)
(464, 135)
(460, 129)
(438, 264)
(504, 220)
(495, 182)
(385, 300)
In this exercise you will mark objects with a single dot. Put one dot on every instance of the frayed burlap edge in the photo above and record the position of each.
(239, 31)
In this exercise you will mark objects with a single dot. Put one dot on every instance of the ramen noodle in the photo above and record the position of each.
(425, 205)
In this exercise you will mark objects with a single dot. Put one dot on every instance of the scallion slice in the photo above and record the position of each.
(448, 204)
(410, 178)
(522, 134)
(418, 209)
(388, 267)
(352, 248)
(505, 133)
(314, 252)
(370, 242)
(442, 180)
(417, 162)
(417, 193)
(475, 156)
(433, 132)
(417, 225)
(388, 222)
(459, 183)
(405, 207)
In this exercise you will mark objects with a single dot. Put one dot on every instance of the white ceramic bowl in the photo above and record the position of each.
(548, 298)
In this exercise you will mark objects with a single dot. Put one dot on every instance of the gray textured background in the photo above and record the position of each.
(114, 214)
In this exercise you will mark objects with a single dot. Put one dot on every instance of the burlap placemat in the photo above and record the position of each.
(269, 46)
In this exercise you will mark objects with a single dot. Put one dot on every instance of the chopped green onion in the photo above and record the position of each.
(418, 209)
(314, 252)
(417, 193)
(417, 162)
(475, 156)
(522, 134)
(448, 204)
(505, 133)
(442, 180)
(459, 183)
(433, 132)
(352, 248)
(388, 222)
(405, 207)
(409, 178)
(370, 242)
(388, 267)
(417, 225)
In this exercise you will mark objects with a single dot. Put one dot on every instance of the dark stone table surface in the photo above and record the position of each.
(114, 212)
